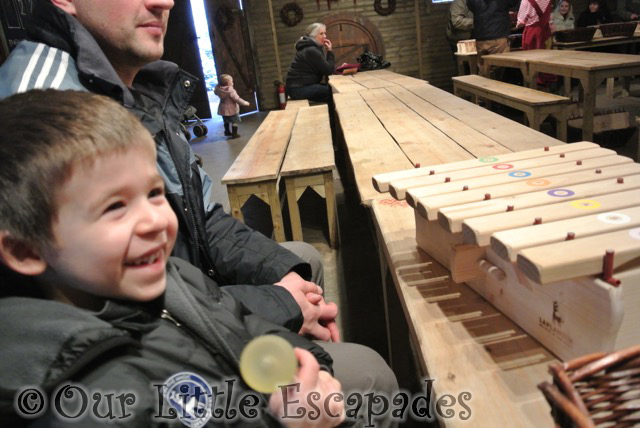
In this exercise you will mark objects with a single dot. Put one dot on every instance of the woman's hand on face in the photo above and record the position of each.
(328, 45)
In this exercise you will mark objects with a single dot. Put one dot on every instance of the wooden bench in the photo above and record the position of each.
(470, 58)
(256, 170)
(537, 105)
(310, 162)
(293, 104)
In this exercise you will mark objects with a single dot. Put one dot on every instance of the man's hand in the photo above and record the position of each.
(325, 411)
(319, 316)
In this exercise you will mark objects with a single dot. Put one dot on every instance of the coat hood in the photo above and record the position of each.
(305, 42)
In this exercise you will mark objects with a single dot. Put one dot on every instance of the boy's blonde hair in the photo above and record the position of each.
(43, 135)
(225, 79)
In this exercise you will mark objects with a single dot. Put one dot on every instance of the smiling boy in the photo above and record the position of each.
(88, 293)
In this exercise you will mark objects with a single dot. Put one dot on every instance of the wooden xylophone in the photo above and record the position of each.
(551, 237)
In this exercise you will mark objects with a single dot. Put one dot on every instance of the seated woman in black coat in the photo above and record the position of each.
(310, 65)
(595, 14)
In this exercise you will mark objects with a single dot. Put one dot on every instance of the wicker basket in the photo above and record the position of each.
(577, 35)
(596, 390)
(618, 29)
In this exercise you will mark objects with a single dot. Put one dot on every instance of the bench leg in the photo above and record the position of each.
(561, 124)
(276, 211)
(234, 203)
(294, 212)
(535, 119)
(330, 200)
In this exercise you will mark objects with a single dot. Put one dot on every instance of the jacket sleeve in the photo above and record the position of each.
(244, 256)
(271, 302)
(318, 62)
(461, 16)
(258, 326)
(236, 98)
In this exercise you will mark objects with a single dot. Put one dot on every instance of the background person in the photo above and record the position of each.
(596, 13)
(535, 16)
(628, 10)
(228, 107)
(311, 65)
(459, 23)
(562, 17)
(491, 27)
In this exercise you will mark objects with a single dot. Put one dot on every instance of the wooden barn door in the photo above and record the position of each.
(352, 34)
(231, 47)
(181, 47)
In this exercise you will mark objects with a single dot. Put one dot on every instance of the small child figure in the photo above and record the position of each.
(228, 107)
(89, 295)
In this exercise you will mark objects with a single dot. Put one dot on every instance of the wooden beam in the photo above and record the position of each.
(419, 38)
(275, 41)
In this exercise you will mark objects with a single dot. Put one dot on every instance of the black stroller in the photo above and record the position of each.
(189, 116)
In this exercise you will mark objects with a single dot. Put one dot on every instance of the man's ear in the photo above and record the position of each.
(68, 6)
(19, 256)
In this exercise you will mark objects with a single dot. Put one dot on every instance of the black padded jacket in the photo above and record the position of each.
(130, 347)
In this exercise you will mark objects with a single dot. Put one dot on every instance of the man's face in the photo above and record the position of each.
(114, 231)
(129, 31)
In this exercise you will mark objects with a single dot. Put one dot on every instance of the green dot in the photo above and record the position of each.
(488, 159)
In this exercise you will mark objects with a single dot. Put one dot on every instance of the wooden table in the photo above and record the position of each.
(461, 341)
(590, 68)
(394, 127)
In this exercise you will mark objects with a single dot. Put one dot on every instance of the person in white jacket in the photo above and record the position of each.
(228, 107)
(562, 18)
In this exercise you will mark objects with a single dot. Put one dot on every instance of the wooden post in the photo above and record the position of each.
(419, 38)
(275, 40)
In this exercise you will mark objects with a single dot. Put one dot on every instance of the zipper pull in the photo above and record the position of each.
(167, 316)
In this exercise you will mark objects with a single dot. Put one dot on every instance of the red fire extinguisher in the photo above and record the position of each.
(282, 97)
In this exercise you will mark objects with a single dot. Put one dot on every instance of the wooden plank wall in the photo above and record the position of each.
(398, 31)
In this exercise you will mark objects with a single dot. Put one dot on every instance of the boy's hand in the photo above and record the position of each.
(326, 411)
(319, 316)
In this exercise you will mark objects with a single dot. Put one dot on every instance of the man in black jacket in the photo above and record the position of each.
(113, 48)
(491, 26)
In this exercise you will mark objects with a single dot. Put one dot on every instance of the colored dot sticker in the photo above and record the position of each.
(561, 193)
(538, 182)
(519, 174)
(502, 166)
(488, 159)
(614, 218)
(635, 233)
(586, 204)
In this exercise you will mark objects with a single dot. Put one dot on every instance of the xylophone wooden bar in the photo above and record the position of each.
(581, 257)
(547, 246)
(478, 230)
(399, 188)
(451, 217)
(429, 207)
(381, 181)
(509, 243)
(539, 173)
